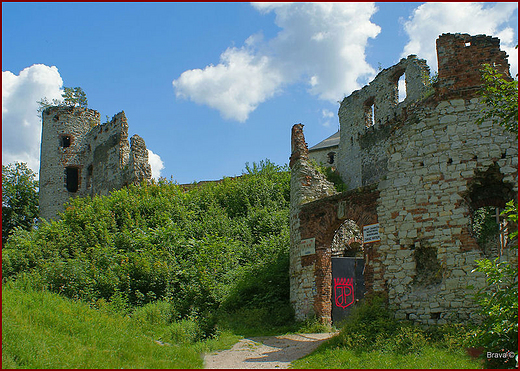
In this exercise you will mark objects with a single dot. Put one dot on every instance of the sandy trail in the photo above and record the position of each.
(266, 351)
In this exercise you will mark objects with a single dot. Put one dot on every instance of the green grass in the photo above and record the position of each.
(371, 338)
(429, 357)
(44, 330)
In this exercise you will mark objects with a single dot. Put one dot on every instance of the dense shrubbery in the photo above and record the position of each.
(218, 243)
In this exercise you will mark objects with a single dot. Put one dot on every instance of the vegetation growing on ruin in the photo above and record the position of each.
(500, 96)
(71, 97)
(499, 299)
(331, 174)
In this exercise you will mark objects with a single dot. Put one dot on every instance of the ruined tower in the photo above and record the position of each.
(81, 157)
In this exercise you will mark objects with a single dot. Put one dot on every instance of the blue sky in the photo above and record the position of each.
(211, 86)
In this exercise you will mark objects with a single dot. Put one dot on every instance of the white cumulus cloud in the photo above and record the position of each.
(430, 20)
(319, 44)
(235, 86)
(21, 126)
(156, 164)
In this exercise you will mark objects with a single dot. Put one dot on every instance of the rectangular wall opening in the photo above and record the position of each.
(72, 179)
(370, 113)
(401, 88)
(65, 141)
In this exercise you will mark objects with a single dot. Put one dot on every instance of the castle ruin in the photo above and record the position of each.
(81, 157)
(416, 173)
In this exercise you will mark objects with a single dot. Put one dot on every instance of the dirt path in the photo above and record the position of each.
(266, 351)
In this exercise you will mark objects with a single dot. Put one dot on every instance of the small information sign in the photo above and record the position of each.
(308, 246)
(371, 233)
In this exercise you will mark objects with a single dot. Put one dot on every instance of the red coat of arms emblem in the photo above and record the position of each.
(343, 292)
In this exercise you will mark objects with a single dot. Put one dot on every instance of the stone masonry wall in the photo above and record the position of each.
(365, 118)
(107, 154)
(57, 123)
(424, 208)
(306, 185)
(99, 153)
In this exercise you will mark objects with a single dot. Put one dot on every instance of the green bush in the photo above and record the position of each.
(405, 340)
(219, 242)
(367, 325)
(371, 338)
(499, 306)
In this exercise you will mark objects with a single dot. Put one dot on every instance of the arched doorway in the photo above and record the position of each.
(347, 263)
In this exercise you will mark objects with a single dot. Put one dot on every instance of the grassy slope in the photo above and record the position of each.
(44, 330)
(428, 358)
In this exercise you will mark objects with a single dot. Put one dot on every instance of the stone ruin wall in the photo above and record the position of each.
(431, 166)
(424, 208)
(366, 117)
(307, 185)
(99, 154)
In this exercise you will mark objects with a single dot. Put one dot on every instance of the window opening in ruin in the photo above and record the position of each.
(370, 112)
(89, 176)
(487, 195)
(330, 156)
(401, 88)
(72, 179)
(347, 240)
(428, 269)
(488, 229)
(65, 141)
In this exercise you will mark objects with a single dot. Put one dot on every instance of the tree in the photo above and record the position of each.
(72, 97)
(501, 99)
(498, 300)
(19, 198)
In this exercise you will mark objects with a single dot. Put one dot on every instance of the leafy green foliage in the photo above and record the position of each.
(75, 97)
(431, 82)
(19, 198)
(71, 97)
(501, 99)
(498, 300)
(484, 225)
(499, 307)
(511, 214)
(154, 242)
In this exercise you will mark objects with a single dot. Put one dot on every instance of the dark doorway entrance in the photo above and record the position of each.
(348, 286)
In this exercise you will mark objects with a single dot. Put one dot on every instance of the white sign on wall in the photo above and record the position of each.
(308, 246)
(371, 233)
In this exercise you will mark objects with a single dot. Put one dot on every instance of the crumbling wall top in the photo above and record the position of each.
(299, 149)
(460, 59)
